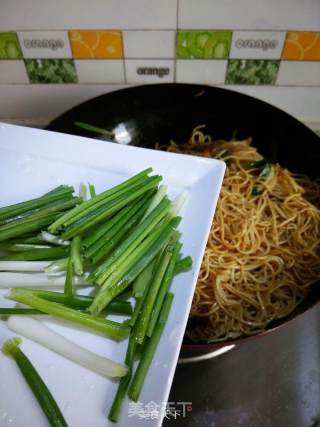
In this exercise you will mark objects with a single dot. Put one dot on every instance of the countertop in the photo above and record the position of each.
(272, 381)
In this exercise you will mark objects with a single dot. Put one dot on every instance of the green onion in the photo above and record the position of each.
(57, 265)
(38, 387)
(108, 209)
(20, 208)
(102, 196)
(143, 280)
(12, 280)
(92, 191)
(110, 200)
(51, 238)
(256, 191)
(115, 410)
(55, 206)
(160, 194)
(68, 284)
(183, 264)
(117, 306)
(258, 164)
(75, 255)
(132, 242)
(146, 311)
(95, 129)
(23, 265)
(36, 221)
(165, 284)
(28, 240)
(108, 230)
(38, 332)
(149, 350)
(60, 189)
(21, 247)
(133, 266)
(23, 226)
(83, 192)
(37, 254)
(121, 233)
(112, 329)
(266, 171)
(7, 311)
(142, 294)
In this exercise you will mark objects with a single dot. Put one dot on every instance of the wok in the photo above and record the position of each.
(150, 114)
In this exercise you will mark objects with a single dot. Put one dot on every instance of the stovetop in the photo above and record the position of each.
(273, 381)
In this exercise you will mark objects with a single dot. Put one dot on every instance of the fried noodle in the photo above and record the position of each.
(263, 251)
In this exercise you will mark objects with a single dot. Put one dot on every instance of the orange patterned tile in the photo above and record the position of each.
(302, 45)
(96, 44)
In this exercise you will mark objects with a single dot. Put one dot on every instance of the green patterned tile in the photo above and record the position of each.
(203, 44)
(51, 70)
(252, 72)
(9, 46)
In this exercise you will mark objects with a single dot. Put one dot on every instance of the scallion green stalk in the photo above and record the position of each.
(112, 329)
(37, 254)
(149, 350)
(36, 384)
(108, 209)
(131, 242)
(20, 208)
(135, 263)
(150, 300)
(102, 196)
(75, 255)
(117, 306)
(165, 284)
(106, 231)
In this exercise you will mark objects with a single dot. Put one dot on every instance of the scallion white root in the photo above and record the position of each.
(57, 266)
(83, 191)
(23, 265)
(178, 203)
(51, 238)
(156, 200)
(38, 332)
(37, 280)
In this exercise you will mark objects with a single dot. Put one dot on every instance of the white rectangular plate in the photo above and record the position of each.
(32, 162)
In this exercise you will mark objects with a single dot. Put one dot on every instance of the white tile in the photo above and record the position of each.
(100, 71)
(149, 70)
(299, 73)
(201, 71)
(149, 44)
(12, 71)
(257, 44)
(46, 101)
(31, 101)
(250, 14)
(45, 44)
(93, 14)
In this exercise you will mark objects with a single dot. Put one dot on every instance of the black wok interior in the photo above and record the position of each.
(158, 113)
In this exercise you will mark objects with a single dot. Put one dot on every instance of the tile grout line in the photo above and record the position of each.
(123, 59)
(175, 43)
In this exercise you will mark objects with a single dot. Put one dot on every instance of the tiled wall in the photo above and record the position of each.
(229, 57)
(268, 48)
